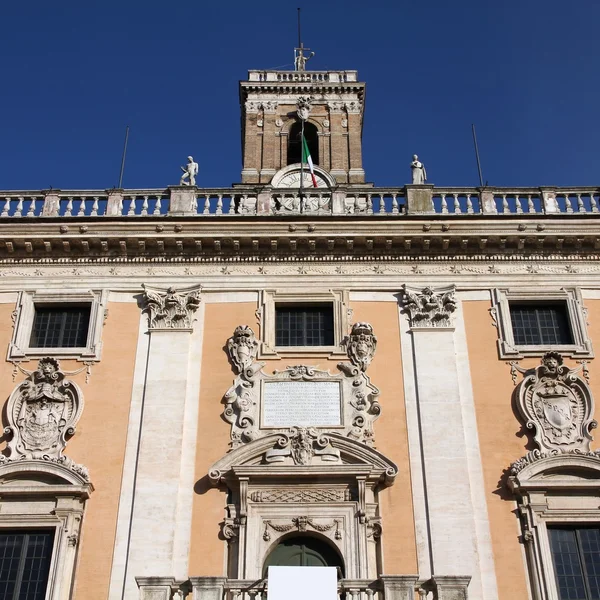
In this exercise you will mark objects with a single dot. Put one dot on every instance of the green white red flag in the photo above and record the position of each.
(308, 160)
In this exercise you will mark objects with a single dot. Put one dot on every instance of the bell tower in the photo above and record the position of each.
(271, 125)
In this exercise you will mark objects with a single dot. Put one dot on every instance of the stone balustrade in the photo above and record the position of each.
(387, 587)
(341, 201)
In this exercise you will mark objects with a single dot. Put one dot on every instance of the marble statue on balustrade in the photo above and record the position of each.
(301, 59)
(189, 172)
(419, 174)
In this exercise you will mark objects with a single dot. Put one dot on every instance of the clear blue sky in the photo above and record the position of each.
(74, 73)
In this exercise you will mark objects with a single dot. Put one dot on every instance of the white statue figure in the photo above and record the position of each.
(300, 59)
(189, 172)
(419, 174)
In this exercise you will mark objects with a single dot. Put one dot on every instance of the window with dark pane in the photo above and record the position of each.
(25, 563)
(540, 324)
(576, 557)
(304, 325)
(60, 327)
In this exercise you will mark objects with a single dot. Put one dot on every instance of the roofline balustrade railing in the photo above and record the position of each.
(248, 201)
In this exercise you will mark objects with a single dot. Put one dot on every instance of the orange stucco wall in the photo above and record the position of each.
(398, 539)
(502, 439)
(99, 440)
(208, 553)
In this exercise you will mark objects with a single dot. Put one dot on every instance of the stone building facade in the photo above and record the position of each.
(399, 382)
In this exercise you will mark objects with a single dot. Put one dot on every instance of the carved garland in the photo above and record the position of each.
(301, 524)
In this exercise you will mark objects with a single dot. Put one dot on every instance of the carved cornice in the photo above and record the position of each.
(430, 308)
(171, 309)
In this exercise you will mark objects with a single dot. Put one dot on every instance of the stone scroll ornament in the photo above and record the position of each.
(171, 309)
(557, 405)
(300, 445)
(42, 413)
(430, 308)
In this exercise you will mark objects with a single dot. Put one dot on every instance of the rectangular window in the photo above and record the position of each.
(576, 557)
(304, 325)
(60, 327)
(24, 564)
(540, 324)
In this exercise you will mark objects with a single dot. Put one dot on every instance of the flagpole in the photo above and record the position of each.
(301, 164)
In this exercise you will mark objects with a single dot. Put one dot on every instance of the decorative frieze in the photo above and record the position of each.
(427, 307)
(301, 524)
(295, 495)
(42, 413)
(171, 309)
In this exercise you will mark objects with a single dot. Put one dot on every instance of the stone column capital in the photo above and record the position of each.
(170, 309)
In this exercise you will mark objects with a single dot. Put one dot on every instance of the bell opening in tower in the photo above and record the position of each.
(294, 154)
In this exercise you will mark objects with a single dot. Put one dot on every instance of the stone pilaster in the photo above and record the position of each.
(182, 199)
(51, 204)
(155, 588)
(451, 588)
(445, 440)
(163, 494)
(114, 204)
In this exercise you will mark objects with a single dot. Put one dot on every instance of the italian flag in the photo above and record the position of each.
(308, 160)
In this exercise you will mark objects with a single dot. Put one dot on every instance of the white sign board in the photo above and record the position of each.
(302, 583)
(301, 403)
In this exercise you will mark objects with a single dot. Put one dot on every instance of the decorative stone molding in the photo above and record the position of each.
(576, 312)
(301, 524)
(300, 444)
(361, 345)
(24, 314)
(242, 348)
(269, 299)
(171, 309)
(557, 405)
(399, 587)
(301, 495)
(42, 413)
(430, 308)
(450, 587)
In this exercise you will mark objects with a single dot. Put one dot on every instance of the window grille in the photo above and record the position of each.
(24, 564)
(576, 557)
(60, 327)
(543, 324)
(304, 325)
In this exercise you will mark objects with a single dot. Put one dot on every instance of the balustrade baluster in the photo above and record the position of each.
(219, 204)
(30, 211)
(157, 206)
(94, 212)
(120, 209)
(195, 204)
(206, 210)
(530, 206)
(580, 204)
(370, 593)
(81, 211)
(518, 205)
(505, 208)
(593, 203)
(145, 206)
(394, 204)
(131, 211)
(369, 204)
(457, 210)
(444, 205)
(5, 207)
(470, 208)
(568, 203)
(69, 208)
(19, 211)
(231, 209)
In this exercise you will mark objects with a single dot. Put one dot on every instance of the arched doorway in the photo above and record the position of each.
(311, 136)
(304, 551)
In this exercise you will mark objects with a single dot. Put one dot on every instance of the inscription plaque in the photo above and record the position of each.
(301, 403)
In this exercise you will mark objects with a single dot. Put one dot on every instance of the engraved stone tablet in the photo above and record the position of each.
(301, 403)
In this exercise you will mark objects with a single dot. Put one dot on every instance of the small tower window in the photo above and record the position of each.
(295, 143)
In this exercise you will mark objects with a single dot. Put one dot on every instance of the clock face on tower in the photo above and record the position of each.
(292, 180)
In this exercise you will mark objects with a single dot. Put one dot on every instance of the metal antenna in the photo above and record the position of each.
(477, 155)
(123, 157)
(299, 31)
